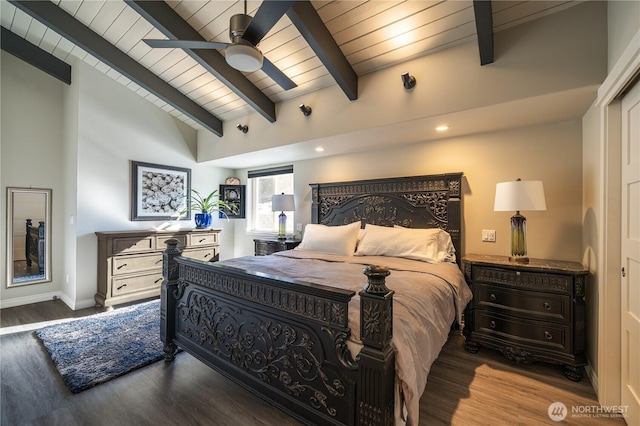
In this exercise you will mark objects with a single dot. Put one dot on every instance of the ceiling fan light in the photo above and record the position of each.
(243, 58)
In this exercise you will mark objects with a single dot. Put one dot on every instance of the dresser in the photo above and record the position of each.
(266, 246)
(529, 312)
(130, 262)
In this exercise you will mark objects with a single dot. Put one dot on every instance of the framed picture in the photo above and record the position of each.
(233, 194)
(159, 192)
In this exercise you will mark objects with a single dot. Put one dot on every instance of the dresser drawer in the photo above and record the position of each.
(129, 264)
(125, 285)
(555, 337)
(525, 280)
(206, 254)
(161, 241)
(132, 245)
(203, 239)
(532, 304)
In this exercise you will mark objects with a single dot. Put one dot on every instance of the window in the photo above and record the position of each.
(263, 184)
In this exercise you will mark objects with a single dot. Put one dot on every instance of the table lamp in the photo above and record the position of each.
(282, 203)
(520, 196)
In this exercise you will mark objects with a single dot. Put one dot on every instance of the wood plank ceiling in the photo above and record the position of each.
(371, 35)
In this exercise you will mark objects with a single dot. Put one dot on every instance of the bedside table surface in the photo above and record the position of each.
(277, 240)
(534, 264)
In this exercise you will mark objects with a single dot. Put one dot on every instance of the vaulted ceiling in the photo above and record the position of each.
(315, 44)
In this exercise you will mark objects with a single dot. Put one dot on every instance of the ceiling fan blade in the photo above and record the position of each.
(185, 44)
(276, 75)
(269, 12)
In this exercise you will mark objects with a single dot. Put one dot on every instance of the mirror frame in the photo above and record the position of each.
(11, 192)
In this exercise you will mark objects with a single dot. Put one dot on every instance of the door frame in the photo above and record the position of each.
(620, 77)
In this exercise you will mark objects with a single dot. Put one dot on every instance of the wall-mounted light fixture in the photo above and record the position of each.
(306, 110)
(243, 129)
(408, 81)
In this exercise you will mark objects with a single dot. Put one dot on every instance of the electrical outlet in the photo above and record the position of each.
(489, 235)
(299, 227)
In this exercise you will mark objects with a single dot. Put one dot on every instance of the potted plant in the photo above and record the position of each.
(205, 206)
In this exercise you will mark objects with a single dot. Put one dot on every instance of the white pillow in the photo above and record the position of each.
(409, 243)
(446, 249)
(340, 240)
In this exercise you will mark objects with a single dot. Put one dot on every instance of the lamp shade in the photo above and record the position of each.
(283, 203)
(519, 195)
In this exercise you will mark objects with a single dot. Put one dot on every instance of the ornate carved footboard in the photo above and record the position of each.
(284, 340)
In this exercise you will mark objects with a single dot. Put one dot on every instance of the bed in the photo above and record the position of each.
(35, 245)
(305, 329)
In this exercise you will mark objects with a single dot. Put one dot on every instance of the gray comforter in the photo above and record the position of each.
(428, 297)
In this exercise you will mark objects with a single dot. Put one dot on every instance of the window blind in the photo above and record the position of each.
(271, 171)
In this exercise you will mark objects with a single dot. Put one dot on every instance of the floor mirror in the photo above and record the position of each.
(28, 236)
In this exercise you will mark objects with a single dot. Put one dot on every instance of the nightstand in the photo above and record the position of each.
(266, 246)
(529, 312)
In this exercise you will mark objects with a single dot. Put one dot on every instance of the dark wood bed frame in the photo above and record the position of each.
(285, 340)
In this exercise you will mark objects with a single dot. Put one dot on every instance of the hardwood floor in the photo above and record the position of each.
(463, 389)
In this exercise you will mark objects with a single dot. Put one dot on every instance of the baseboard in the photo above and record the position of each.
(82, 304)
(592, 376)
(45, 297)
(27, 300)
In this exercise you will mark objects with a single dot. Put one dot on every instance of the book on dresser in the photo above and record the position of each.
(130, 262)
(529, 312)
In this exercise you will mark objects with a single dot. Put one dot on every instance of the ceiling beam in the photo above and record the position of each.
(305, 17)
(33, 55)
(73, 30)
(165, 19)
(484, 29)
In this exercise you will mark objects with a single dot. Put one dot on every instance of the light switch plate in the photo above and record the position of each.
(489, 235)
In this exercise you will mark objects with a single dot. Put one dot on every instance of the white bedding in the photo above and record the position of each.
(428, 297)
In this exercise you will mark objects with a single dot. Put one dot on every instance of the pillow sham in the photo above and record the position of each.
(410, 243)
(446, 249)
(340, 240)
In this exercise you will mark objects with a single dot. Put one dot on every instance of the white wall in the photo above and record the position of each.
(31, 154)
(81, 139)
(116, 126)
(623, 18)
(600, 204)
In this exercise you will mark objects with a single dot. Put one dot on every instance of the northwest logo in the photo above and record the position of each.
(557, 411)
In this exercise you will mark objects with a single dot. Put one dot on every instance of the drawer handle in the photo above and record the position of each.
(123, 285)
(158, 261)
(202, 239)
(157, 281)
(547, 306)
(492, 324)
(121, 266)
(492, 297)
(207, 255)
(548, 335)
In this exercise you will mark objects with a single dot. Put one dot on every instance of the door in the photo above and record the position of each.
(630, 228)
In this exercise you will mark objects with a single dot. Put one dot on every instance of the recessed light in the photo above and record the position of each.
(442, 128)
(319, 149)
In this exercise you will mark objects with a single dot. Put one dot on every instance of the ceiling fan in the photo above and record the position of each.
(245, 33)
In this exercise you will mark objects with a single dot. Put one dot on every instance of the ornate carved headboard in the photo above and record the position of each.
(432, 201)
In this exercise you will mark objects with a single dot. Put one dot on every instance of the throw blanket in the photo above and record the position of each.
(428, 297)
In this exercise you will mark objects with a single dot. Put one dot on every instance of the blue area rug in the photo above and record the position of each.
(101, 347)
